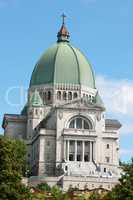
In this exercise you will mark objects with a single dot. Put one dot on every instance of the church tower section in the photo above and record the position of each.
(70, 142)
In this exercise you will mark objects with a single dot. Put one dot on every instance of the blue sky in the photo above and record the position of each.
(102, 29)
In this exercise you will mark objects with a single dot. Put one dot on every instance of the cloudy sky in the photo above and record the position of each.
(102, 29)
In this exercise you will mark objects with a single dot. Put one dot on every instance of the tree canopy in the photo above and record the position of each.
(12, 166)
(124, 190)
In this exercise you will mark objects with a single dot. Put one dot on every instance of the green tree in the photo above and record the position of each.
(44, 187)
(12, 166)
(95, 195)
(57, 193)
(124, 190)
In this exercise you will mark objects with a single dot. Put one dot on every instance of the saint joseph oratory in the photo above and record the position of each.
(70, 143)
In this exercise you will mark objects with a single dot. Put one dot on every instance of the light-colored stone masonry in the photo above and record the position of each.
(63, 154)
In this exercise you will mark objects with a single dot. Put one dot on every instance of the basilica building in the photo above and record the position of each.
(70, 142)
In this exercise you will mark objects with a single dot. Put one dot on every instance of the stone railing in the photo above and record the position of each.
(110, 134)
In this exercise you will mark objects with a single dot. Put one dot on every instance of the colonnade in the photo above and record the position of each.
(82, 154)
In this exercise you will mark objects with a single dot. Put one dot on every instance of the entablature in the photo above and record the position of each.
(79, 133)
(13, 118)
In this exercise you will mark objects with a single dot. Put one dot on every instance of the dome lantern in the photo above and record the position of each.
(63, 64)
(63, 34)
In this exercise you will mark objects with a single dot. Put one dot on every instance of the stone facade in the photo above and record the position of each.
(70, 141)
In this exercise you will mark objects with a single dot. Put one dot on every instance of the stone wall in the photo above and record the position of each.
(81, 183)
(16, 129)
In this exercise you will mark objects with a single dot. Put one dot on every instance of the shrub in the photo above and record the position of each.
(44, 187)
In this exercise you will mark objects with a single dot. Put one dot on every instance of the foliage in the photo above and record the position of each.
(80, 198)
(12, 158)
(124, 190)
(95, 196)
(44, 187)
(12, 165)
(13, 191)
(57, 193)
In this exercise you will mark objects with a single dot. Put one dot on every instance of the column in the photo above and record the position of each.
(41, 149)
(67, 150)
(83, 150)
(75, 151)
(94, 150)
(64, 148)
(90, 151)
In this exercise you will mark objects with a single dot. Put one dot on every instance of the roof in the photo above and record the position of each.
(36, 99)
(99, 101)
(63, 64)
(13, 117)
(112, 122)
(24, 110)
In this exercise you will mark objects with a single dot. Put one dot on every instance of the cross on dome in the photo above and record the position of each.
(63, 34)
(63, 18)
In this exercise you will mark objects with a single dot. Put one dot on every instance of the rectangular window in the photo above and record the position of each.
(107, 159)
(71, 157)
(87, 147)
(71, 143)
(72, 147)
(104, 170)
(79, 150)
(86, 158)
(78, 157)
(79, 143)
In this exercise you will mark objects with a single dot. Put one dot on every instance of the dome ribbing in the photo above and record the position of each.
(63, 64)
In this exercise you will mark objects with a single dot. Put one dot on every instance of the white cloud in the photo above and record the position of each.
(118, 98)
(117, 95)
(126, 152)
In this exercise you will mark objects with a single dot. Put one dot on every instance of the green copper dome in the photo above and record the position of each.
(63, 64)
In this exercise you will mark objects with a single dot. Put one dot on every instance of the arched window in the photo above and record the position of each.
(64, 95)
(69, 95)
(59, 95)
(41, 94)
(49, 95)
(44, 97)
(93, 99)
(86, 125)
(36, 111)
(75, 95)
(83, 96)
(80, 123)
(87, 97)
